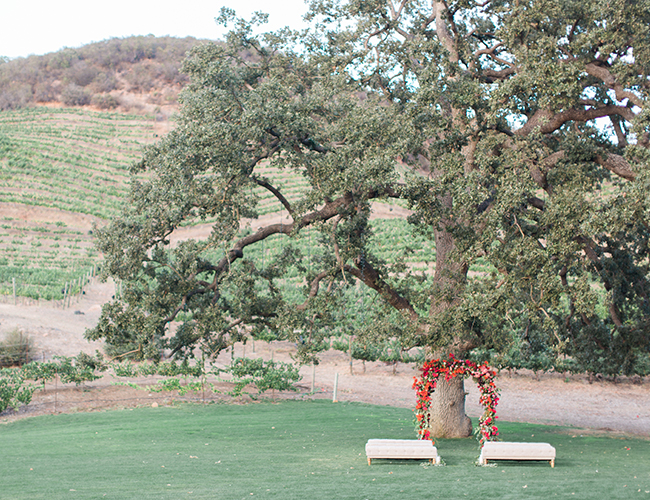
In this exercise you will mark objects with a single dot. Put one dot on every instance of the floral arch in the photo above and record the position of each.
(481, 373)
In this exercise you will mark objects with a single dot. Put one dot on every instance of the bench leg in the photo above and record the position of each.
(369, 460)
(553, 463)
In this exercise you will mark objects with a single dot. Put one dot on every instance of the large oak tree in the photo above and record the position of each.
(515, 131)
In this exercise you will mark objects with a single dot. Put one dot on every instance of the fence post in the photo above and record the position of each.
(350, 355)
(13, 281)
(56, 388)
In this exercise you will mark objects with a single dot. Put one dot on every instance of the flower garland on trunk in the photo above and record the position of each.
(450, 368)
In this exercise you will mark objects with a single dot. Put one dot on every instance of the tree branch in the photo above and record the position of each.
(593, 257)
(443, 33)
(335, 244)
(370, 277)
(603, 74)
(538, 203)
(618, 130)
(617, 165)
(489, 75)
(313, 289)
(268, 186)
(548, 122)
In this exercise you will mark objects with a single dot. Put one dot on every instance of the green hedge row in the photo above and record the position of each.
(17, 385)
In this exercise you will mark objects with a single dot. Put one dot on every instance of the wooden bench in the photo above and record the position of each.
(497, 450)
(415, 449)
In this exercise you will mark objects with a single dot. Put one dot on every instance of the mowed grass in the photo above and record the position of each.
(293, 450)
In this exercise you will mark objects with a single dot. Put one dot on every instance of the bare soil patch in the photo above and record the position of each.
(604, 406)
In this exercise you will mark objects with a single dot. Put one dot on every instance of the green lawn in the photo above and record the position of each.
(294, 449)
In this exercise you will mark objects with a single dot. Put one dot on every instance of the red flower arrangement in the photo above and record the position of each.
(484, 377)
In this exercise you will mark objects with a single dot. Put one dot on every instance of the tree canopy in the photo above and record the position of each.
(515, 132)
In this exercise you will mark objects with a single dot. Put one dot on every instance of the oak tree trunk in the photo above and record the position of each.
(447, 411)
(447, 417)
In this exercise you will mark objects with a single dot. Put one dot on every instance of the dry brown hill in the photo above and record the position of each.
(134, 74)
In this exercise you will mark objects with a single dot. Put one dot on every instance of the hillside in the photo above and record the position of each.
(61, 171)
(130, 75)
(71, 124)
(64, 163)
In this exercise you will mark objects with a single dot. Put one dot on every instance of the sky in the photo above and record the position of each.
(37, 27)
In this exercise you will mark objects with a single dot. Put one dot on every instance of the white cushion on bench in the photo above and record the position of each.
(401, 448)
(501, 450)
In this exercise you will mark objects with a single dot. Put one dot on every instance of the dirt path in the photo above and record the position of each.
(56, 331)
(554, 399)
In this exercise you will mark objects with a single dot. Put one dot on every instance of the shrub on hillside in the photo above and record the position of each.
(81, 73)
(141, 77)
(59, 61)
(104, 101)
(15, 349)
(15, 96)
(104, 82)
(94, 66)
(170, 71)
(45, 92)
(74, 95)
